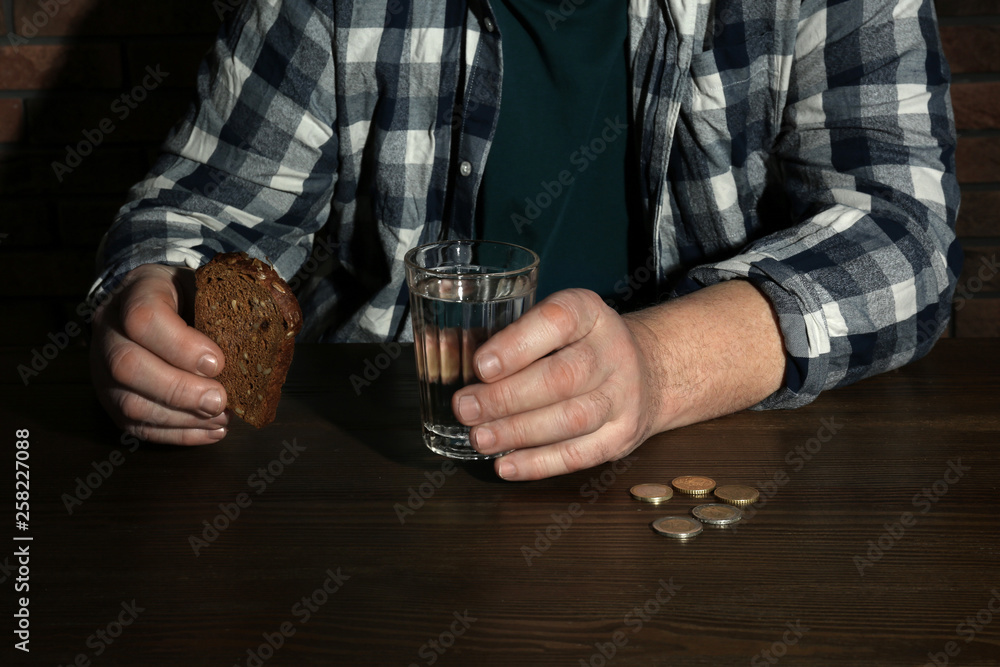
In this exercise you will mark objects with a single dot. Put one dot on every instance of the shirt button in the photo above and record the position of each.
(489, 24)
(465, 168)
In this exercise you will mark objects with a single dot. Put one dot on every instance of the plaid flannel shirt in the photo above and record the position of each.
(804, 145)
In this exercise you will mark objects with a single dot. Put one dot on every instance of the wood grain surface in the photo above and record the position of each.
(427, 562)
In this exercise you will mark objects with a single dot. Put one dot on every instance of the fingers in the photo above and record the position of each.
(141, 410)
(577, 416)
(140, 371)
(174, 436)
(572, 371)
(445, 354)
(151, 370)
(149, 317)
(559, 320)
(150, 420)
(563, 389)
(561, 458)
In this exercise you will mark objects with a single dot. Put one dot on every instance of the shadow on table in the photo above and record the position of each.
(363, 392)
(405, 447)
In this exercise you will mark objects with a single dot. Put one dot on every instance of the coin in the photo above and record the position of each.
(737, 494)
(694, 485)
(717, 514)
(677, 526)
(652, 493)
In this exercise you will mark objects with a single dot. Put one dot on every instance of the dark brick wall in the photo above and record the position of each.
(64, 65)
(970, 31)
(71, 60)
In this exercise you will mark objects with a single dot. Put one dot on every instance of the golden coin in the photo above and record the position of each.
(717, 514)
(652, 493)
(677, 526)
(694, 485)
(737, 494)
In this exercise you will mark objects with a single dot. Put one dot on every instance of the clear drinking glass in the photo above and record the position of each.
(461, 293)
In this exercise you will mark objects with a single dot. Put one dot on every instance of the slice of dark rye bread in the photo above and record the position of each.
(250, 312)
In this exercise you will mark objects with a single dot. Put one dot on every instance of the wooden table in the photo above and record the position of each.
(877, 536)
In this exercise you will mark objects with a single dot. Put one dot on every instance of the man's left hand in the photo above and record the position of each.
(572, 384)
(567, 386)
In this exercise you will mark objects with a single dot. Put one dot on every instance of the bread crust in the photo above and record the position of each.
(227, 277)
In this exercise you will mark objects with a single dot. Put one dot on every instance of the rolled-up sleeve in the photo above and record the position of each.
(862, 282)
(252, 165)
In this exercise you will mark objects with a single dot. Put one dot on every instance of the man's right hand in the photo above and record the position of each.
(152, 372)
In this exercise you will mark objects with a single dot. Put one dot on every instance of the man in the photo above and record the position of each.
(787, 168)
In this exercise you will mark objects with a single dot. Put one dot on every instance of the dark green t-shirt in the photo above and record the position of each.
(558, 178)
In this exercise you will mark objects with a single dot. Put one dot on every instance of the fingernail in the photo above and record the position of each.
(489, 366)
(217, 434)
(211, 402)
(221, 419)
(506, 469)
(468, 408)
(484, 438)
(208, 365)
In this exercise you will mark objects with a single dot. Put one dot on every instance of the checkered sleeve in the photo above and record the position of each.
(862, 282)
(251, 166)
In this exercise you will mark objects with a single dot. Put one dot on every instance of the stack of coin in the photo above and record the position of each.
(680, 527)
(717, 514)
(693, 485)
(737, 494)
(721, 514)
(652, 493)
